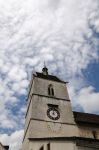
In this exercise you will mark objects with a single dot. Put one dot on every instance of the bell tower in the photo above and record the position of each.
(49, 121)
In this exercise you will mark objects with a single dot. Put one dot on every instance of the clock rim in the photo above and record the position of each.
(53, 118)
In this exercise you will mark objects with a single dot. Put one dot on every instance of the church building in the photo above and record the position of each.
(50, 123)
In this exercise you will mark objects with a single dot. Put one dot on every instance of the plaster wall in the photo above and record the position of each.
(63, 146)
(54, 145)
(41, 129)
(87, 131)
(1, 147)
(25, 145)
(40, 107)
(41, 87)
(28, 115)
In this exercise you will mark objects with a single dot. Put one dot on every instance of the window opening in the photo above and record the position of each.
(52, 105)
(48, 146)
(94, 134)
(42, 148)
(50, 90)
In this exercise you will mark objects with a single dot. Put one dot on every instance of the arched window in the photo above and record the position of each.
(50, 90)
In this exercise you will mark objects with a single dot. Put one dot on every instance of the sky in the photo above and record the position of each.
(64, 34)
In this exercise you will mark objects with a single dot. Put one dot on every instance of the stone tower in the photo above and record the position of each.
(50, 123)
(49, 117)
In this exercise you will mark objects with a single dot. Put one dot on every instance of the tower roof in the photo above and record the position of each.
(46, 76)
(49, 77)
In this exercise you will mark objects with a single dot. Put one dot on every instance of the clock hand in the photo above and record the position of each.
(53, 112)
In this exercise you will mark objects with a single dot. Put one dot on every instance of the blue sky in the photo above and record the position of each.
(91, 74)
(65, 34)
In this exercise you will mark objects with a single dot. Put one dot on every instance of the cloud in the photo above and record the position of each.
(64, 33)
(89, 100)
(14, 140)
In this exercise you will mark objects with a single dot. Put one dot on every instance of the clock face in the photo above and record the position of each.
(53, 113)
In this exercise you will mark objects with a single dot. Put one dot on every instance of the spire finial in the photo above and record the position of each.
(45, 70)
(44, 64)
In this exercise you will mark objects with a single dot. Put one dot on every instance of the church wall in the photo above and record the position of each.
(1, 147)
(50, 129)
(36, 145)
(25, 145)
(40, 106)
(88, 132)
(54, 145)
(41, 87)
(28, 116)
(63, 146)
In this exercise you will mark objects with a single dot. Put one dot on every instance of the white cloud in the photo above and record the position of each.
(14, 140)
(17, 74)
(89, 99)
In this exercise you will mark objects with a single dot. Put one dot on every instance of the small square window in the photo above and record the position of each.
(52, 105)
